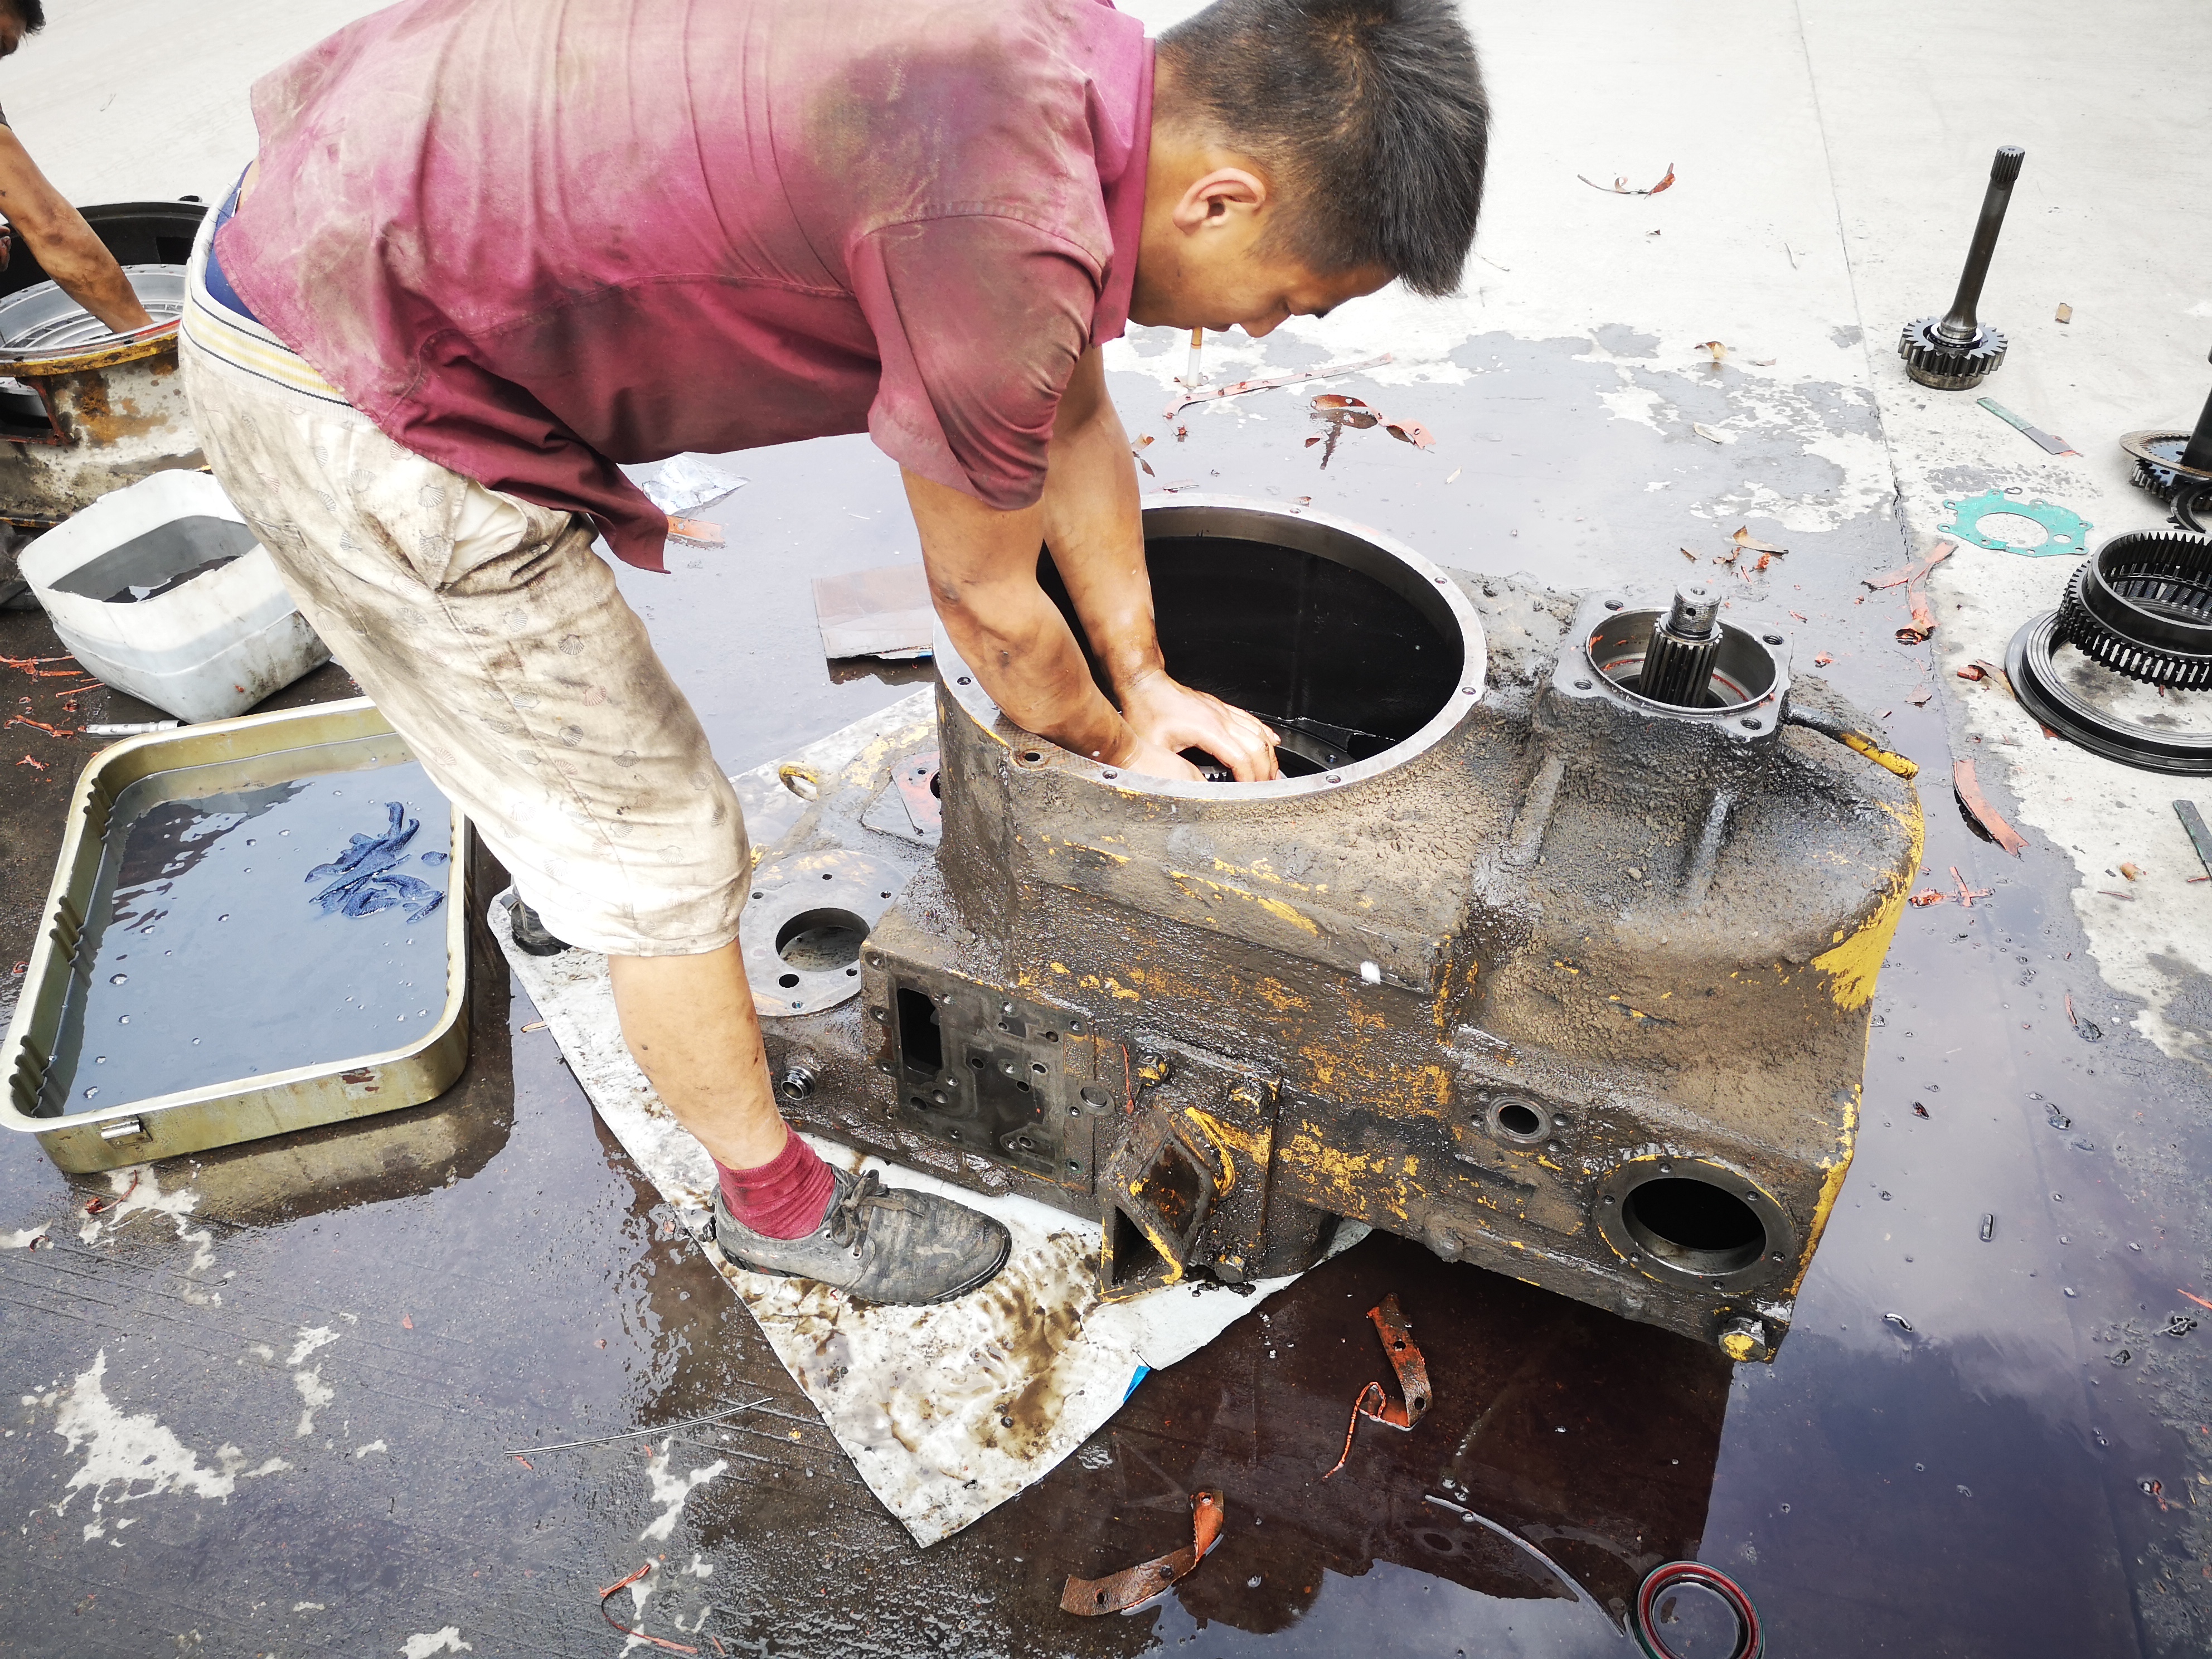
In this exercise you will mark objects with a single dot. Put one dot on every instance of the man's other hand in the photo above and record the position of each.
(69, 249)
(1168, 716)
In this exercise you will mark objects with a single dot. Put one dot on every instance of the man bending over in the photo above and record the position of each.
(491, 249)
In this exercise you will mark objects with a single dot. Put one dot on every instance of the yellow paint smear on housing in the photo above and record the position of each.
(1852, 965)
(1832, 1182)
(1273, 907)
(1253, 1144)
(1363, 1182)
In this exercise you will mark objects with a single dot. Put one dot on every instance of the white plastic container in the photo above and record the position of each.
(161, 590)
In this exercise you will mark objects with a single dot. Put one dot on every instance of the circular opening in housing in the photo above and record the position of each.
(816, 941)
(1694, 1225)
(1743, 671)
(1516, 1120)
(1339, 645)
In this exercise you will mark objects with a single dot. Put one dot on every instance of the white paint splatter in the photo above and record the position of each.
(138, 1190)
(447, 1640)
(25, 1237)
(1639, 404)
(317, 1394)
(307, 1606)
(670, 1492)
(701, 1567)
(311, 1337)
(131, 1449)
(373, 1446)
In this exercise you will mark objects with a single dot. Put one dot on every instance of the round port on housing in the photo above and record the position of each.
(1356, 651)
(814, 940)
(1744, 671)
(1521, 1121)
(1697, 1226)
(1690, 1220)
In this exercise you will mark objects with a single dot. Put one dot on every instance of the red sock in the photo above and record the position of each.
(786, 1197)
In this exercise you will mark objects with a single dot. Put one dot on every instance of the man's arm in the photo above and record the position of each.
(62, 242)
(1094, 524)
(982, 576)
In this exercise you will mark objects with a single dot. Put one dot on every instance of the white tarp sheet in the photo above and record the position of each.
(947, 1412)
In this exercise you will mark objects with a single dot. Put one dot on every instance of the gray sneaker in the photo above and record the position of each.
(531, 933)
(878, 1244)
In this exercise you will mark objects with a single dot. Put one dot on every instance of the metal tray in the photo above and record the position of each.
(255, 752)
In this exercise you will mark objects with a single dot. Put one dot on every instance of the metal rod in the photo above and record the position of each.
(2198, 455)
(2192, 821)
(1961, 324)
(632, 1434)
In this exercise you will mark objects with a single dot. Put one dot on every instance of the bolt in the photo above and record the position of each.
(798, 1082)
(1744, 1338)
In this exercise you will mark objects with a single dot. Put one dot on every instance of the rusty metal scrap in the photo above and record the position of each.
(1090, 1598)
(1923, 619)
(1413, 1373)
(1969, 788)
(1913, 572)
(636, 1635)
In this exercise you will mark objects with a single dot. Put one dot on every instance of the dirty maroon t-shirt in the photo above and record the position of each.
(532, 241)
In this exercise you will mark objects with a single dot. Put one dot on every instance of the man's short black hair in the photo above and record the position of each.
(31, 14)
(1368, 115)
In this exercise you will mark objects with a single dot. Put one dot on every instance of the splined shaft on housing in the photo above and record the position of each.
(1957, 350)
(1678, 664)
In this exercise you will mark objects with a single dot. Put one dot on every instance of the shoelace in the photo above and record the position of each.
(844, 1222)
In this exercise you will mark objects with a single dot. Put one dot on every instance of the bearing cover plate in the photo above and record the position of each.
(1650, 1255)
(827, 885)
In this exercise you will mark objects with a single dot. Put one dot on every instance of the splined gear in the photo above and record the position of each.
(2142, 606)
(1948, 365)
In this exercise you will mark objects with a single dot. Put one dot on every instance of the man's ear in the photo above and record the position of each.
(1219, 197)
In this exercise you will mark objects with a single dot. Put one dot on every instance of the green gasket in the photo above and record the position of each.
(2066, 530)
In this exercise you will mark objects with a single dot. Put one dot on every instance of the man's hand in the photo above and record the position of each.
(1168, 716)
(983, 578)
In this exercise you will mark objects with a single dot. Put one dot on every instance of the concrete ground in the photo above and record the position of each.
(1950, 1455)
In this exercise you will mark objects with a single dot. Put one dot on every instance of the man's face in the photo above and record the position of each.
(11, 29)
(1203, 264)
(1254, 295)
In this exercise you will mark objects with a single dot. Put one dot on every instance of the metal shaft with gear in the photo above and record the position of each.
(1957, 351)
(2176, 466)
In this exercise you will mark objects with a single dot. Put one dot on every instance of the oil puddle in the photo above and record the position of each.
(251, 930)
(1567, 1453)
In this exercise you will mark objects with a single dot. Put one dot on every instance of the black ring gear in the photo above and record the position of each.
(1945, 365)
(2142, 606)
(2039, 681)
(2158, 468)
